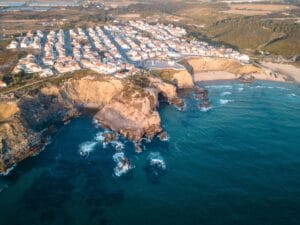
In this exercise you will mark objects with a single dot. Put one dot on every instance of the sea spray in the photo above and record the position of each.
(155, 159)
(9, 170)
(156, 167)
(226, 93)
(123, 165)
(225, 101)
(86, 147)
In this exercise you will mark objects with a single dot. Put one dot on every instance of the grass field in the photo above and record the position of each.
(257, 9)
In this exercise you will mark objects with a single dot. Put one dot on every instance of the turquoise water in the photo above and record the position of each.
(238, 163)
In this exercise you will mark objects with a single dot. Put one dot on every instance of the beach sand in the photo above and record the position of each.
(285, 69)
(223, 75)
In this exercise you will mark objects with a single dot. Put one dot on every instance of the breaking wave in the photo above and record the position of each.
(292, 95)
(86, 147)
(226, 93)
(219, 86)
(123, 164)
(225, 101)
(155, 159)
(205, 109)
(117, 145)
(99, 137)
(8, 171)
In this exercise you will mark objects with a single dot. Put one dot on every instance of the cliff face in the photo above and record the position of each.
(91, 91)
(132, 116)
(124, 106)
(181, 78)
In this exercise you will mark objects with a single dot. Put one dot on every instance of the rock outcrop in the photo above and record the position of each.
(133, 117)
(181, 78)
(91, 91)
(127, 107)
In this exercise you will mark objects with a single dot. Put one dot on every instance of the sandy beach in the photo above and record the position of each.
(285, 69)
(223, 75)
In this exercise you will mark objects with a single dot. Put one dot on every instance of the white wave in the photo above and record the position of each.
(292, 95)
(240, 89)
(156, 159)
(226, 93)
(205, 109)
(225, 101)
(258, 86)
(99, 137)
(8, 171)
(86, 147)
(117, 145)
(283, 88)
(123, 164)
(219, 86)
(167, 138)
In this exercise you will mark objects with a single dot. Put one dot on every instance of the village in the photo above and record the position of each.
(120, 49)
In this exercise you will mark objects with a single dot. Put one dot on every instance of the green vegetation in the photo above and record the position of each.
(165, 75)
(274, 32)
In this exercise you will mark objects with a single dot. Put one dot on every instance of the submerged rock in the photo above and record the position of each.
(163, 136)
(201, 93)
(123, 164)
(156, 166)
(205, 104)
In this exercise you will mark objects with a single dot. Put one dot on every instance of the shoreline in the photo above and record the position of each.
(226, 76)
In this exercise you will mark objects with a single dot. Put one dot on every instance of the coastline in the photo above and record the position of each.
(286, 69)
(223, 75)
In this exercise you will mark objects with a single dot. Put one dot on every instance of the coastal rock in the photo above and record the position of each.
(181, 78)
(122, 106)
(91, 91)
(8, 109)
(163, 136)
(109, 137)
(201, 93)
(123, 165)
(132, 116)
(168, 91)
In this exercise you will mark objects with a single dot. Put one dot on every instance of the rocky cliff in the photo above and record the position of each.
(127, 107)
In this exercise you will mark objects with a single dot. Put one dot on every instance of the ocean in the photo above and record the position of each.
(237, 163)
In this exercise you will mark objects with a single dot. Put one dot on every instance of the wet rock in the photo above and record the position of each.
(123, 164)
(138, 148)
(246, 78)
(205, 104)
(156, 167)
(201, 93)
(177, 102)
(109, 137)
(163, 136)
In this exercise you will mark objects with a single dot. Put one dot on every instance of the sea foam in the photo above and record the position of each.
(86, 147)
(225, 93)
(155, 159)
(225, 101)
(123, 164)
(8, 171)
(219, 86)
(205, 109)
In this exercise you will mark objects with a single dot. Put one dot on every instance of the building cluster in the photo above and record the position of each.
(118, 49)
